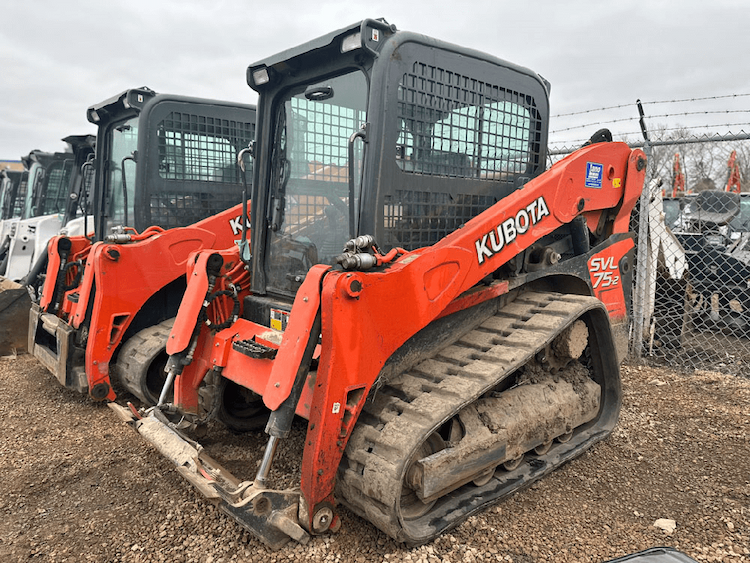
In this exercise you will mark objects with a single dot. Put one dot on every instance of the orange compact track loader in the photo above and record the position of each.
(166, 184)
(440, 309)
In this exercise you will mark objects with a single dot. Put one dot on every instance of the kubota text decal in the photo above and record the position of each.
(507, 231)
(236, 225)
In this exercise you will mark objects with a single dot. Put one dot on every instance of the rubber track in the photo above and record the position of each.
(410, 407)
(138, 353)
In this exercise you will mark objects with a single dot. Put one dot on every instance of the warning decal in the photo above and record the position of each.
(279, 319)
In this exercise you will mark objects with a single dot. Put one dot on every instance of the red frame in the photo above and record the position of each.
(126, 276)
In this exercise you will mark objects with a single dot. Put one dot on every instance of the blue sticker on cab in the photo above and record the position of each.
(594, 174)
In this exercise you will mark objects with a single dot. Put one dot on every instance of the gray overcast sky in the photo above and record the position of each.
(57, 58)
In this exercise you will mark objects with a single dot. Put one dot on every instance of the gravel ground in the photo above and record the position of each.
(78, 485)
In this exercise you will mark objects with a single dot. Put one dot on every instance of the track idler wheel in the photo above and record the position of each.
(484, 477)
(563, 438)
(512, 464)
(412, 507)
(543, 448)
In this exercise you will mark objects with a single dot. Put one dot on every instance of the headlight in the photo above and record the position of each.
(260, 76)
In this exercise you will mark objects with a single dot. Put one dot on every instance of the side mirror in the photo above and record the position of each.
(319, 93)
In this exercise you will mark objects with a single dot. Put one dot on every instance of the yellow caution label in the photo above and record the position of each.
(279, 319)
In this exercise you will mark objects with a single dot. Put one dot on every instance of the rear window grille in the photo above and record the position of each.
(415, 219)
(198, 162)
(201, 149)
(454, 125)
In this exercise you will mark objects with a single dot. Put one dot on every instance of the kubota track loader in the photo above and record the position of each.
(437, 306)
(166, 184)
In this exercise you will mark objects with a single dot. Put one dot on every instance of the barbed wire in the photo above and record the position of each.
(649, 117)
(632, 104)
(657, 131)
(567, 147)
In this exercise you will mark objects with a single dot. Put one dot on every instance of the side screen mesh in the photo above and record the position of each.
(317, 195)
(454, 125)
(5, 197)
(197, 165)
(87, 189)
(20, 196)
(415, 219)
(451, 125)
(58, 186)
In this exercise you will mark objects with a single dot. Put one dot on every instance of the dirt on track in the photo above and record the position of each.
(78, 485)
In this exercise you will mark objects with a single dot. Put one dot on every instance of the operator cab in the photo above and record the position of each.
(12, 189)
(370, 130)
(165, 160)
(49, 178)
(9, 185)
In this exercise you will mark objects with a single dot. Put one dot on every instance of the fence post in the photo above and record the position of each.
(641, 261)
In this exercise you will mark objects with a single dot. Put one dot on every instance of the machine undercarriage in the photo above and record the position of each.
(518, 394)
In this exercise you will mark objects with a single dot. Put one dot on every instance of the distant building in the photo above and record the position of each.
(12, 164)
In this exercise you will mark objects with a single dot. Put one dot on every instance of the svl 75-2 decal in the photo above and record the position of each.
(602, 270)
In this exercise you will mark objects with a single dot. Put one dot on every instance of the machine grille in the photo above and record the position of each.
(415, 219)
(455, 125)
(198, 173)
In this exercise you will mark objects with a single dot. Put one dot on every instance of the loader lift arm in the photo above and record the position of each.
(438, 275)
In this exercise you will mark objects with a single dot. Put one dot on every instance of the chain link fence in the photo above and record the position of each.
(691, 304)
(691, 300)
(691, 295)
